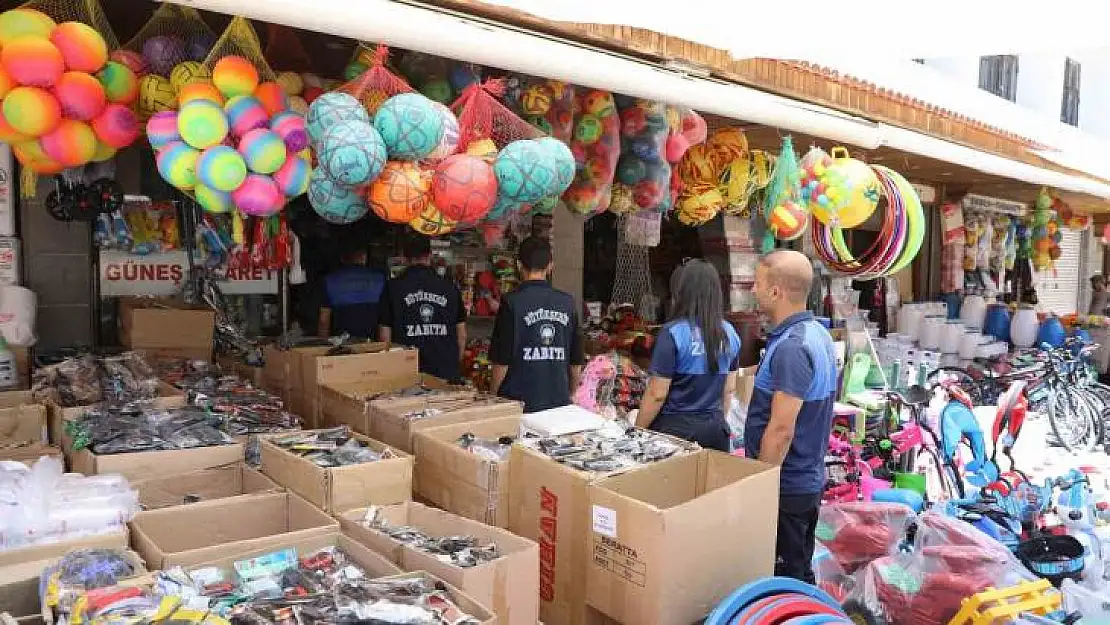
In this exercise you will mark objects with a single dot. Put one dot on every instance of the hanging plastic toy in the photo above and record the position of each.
(782, 202)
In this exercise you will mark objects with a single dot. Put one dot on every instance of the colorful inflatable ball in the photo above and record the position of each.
(117, 126)
(401, 192)
(30, 155)
(431, 222)
(23, 22)
(212, 200)
(291, 83)
(186, 73)
(32, 111)
(177, 164)
(131, 60)
(221, 168)
(199, 91)
(161, 129)
(290, 127)
(155, 95)
(562, 161)
(330, 109)
(464, 187)
(83, 49)
(32, 61)
(787, 221)
(121, 85)
(245, 113)
(263, 151)
(438, 91)
(202, 124)
(292, 179)
(162, 53)
(336, 203)
(72, 143)
(272, 97)
(9, 134)
(524, 172)
(351, 153)
(80, 95)
(411, 126)
(235, 75)
(258, 196)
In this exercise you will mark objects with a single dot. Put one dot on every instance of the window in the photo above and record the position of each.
(919, 61)
(1069, 106)
(998, 74)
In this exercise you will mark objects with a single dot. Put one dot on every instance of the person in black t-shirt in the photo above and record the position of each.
(424, 310)
(352, 295)
(536, 347)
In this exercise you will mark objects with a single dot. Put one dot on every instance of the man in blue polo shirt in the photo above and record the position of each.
(790, 413)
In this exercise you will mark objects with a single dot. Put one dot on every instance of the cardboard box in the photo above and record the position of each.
(23, 423)
(296, 374)
(389, 424)
(349, 403)
(203, 485)
(153, 464)
(550, 504)
(375, 564)
(336, 489)
(670, 541)
(461, 482)
(53, 551)
(469, 605)
(146, 324)
(19, 585)
(189, 535)
(29, 454)
(507, 585)
(168, 397)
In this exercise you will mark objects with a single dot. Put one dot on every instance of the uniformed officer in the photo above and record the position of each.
(536, 347)
(352, 294)
(425, 310)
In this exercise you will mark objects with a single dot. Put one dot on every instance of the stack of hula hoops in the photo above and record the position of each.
(778, 601)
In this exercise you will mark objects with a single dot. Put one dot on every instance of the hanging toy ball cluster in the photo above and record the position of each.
(61, 101)
(596, 148)
(840, 190)
(233, 142)
(1069, 218)
(777, 600)
(1047, 232)
(168, 72)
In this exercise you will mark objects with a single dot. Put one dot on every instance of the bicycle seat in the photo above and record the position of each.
(915, 396)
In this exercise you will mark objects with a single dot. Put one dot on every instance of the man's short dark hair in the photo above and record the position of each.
(416, 246)
(535, 254)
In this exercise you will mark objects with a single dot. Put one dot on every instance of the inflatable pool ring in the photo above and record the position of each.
(777, 600)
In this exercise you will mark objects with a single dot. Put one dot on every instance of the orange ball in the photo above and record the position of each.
(199, 91)
(72, 144)
(400, 193)
(235, 75)
(273, 98)
(83, 49)
(80, 95)
(32, 61)
(7, 83)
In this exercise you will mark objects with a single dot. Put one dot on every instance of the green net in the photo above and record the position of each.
(240, 39)
(88, 11)
(183, 37)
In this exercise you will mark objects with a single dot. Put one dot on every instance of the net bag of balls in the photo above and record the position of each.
(87, 12)
(645, 128)
(596, 148)
(483, 117)
(173, 34)
(784, 211)
(377, 84)
(545, 103)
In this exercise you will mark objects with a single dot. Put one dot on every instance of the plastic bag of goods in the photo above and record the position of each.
(547, 104)
(643, 164)
(856, 533)
(596, 146)
(377, 83)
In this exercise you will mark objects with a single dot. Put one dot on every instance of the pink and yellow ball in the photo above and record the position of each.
(32, 111)
(32, 61)
(72, 143)
(272, 97)
(199, 91)
(235, 75)
(121, 85)
(80, 95)
(161, 129)
(177, 164)
(292, 178)
(258, 196)
(117, 126)
(245, 113)
(202, 124)
(82, 48)
(212, 200)
(221, 168)
(290, 127)
(31, 156)
(263, 150)
(24, 23)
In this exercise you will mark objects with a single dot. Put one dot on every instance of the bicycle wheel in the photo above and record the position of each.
(1071, 421)
(1094, 406)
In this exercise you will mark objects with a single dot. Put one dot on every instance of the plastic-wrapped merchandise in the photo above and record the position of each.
(333, 447)
(494, 450)
(87, 379)
(643, 164)
(858, 532)
(1092, 605)
(613, 448)
(79, 571)
(144, 426)
(462, 551)
(41, 504)
(243, 408)
(596, 146)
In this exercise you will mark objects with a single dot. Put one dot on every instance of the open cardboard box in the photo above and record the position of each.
(53, 551)
(22, 419)
(201, 532)
(29, 454)
(373, 563)
(168, 397)
(670, 541)
(203, 485)
(296, 374)
(459, 481)
(19, 586)
(507, 585)
(348, 403)
(389, 424)
(144, 323)
(336, 489)
(550, 504)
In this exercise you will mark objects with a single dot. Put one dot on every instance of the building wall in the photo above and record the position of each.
(1094, 96)
(1040, 83)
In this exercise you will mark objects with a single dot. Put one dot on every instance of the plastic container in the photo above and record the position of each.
(1024, 326)
(930, 332)
(951, 336)
(973, 311)
(997, 322)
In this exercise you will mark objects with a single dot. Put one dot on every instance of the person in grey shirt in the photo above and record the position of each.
(1100, 297)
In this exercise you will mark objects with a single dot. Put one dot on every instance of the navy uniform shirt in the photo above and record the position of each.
(353, 295)
(423, 310)
(536, 335)
(680, 357)
(799, 361)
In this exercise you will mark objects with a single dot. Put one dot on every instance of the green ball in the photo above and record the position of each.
(202, 124)
(212, 200)
(439, 91)
(588, 129)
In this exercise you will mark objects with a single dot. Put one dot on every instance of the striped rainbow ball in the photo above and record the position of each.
(292, 178)
(161, 129)
(263, 150)
(245, 113)
(290, 127)
(258, 196)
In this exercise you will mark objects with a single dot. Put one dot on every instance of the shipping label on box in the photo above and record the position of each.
(11, 262)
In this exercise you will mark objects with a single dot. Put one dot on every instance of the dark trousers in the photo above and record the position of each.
(797, 524)
(709, 431)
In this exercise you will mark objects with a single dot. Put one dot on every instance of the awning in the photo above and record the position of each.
(478, 41)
